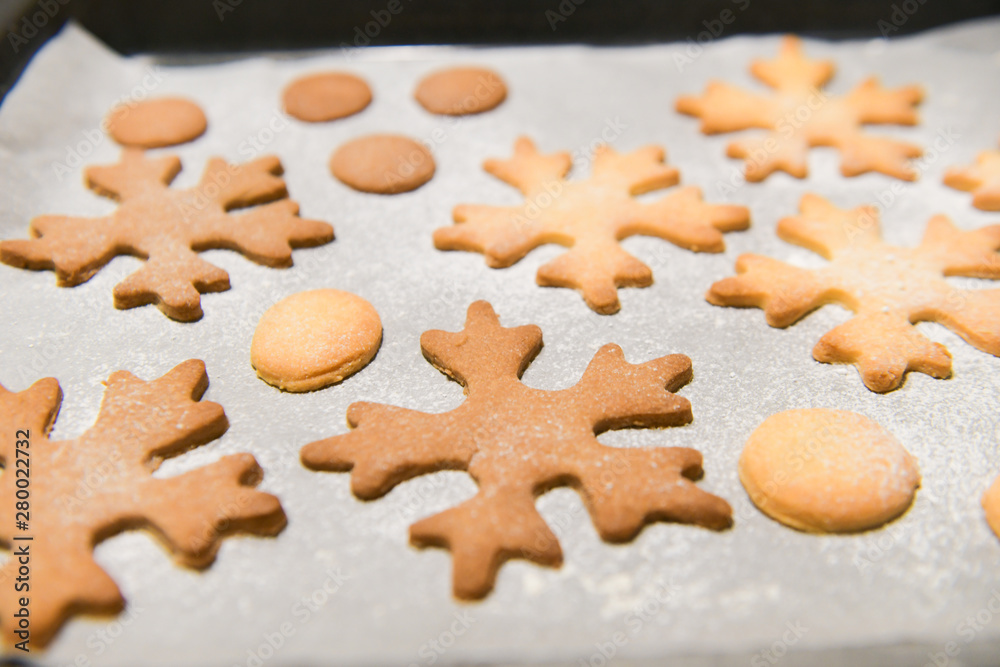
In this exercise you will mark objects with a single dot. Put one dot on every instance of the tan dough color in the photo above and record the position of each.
(313, 339)
(155, 123)
(982, 179)
(326, 96)
(889, 289)
(991, 503)
(458, 91)
(828, 471)
(383, 164)
(589, 217)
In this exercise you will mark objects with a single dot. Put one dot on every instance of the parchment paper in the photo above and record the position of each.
(901, 593)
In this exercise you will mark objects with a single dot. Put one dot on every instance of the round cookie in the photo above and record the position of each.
(383, 164)
(326, 96)
(991, 503)
(828, 471)
(458, 91)
(313, 339)
(156, 123)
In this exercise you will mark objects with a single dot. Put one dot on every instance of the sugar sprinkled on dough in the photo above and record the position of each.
(314, 339)
(827, 471)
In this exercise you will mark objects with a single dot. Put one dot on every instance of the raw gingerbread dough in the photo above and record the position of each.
(383, 164)
(458, 91)
(326, 96)
(91, 488)
(518, 442)
(155, 123)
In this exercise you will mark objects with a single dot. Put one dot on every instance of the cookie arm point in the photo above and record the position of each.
(596, 271)
(66, 581)
(528, 170)
(237, 186)
(784, 292)
(877, 105)
(826, 229)
(725, 108)
(862, 341)
(684, 219)
(503, 234)
(391, 445)
(619, 394)
(637, 172)
(133, 175)
(860, 154)
(193, 531)
(76, 248)
(634, 487)
(963, 253)
(484, 532)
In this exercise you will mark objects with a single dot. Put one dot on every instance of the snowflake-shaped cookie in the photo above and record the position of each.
(981, 179)
(168, 227)
(799, 115)
(590, 217)
(888, 288)
(518, 442)
(83, 491)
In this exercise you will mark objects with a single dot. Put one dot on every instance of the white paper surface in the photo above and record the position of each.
(899, 593)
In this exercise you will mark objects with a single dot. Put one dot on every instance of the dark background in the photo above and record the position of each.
(175, 26)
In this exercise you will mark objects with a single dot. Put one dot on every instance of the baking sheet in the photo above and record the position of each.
(901, 593)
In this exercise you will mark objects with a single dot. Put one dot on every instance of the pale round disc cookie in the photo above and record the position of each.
(458, 91)
(313, 339)
(156, 123)
(828, 471)
(326, 96)
(383, 163)
(991, 503)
